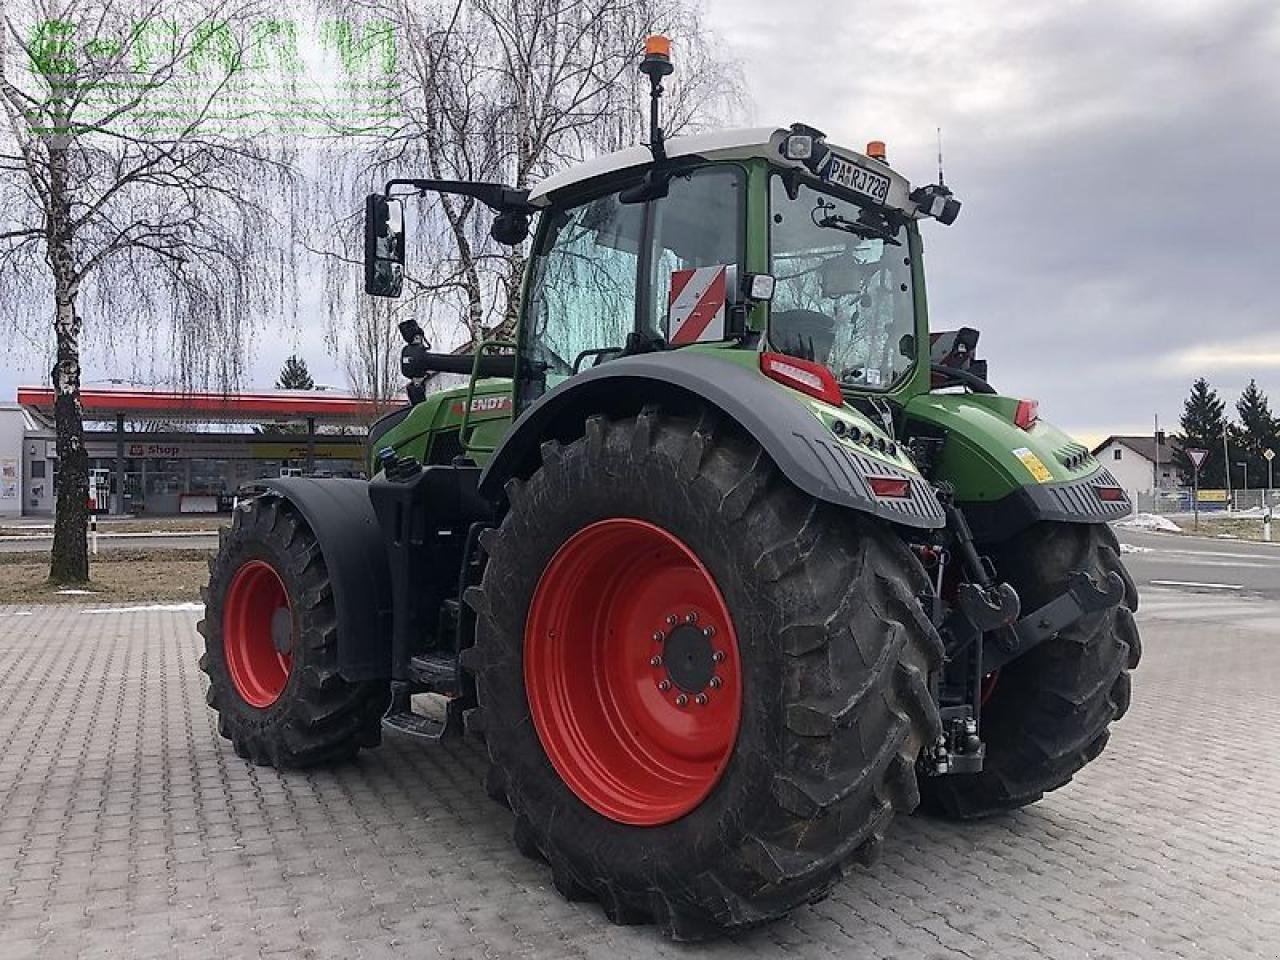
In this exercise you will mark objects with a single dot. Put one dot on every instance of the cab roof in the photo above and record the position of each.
(734, 144)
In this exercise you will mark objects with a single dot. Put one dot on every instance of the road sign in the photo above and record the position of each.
(1197, 458)
(1269, 453)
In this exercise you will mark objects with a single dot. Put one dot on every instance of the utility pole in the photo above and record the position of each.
(1155, 471)
(1270, 455)
(1226, 462)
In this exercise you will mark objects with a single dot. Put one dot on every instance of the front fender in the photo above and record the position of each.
(341, 516)
(1006, 478)
(781, 421)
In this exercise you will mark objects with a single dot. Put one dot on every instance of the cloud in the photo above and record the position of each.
(1117, 163)
(1247, 355)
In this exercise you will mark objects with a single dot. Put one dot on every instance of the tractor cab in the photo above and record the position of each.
(766, 240)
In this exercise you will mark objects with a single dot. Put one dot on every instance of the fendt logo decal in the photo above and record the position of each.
(499, 404)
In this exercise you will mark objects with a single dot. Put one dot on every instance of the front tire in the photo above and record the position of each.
(271, 649)
(823, 693)
(1049, 712)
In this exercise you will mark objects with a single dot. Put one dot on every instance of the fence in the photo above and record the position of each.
(1211, 501)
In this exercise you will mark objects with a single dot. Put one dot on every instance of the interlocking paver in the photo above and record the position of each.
(129, 829)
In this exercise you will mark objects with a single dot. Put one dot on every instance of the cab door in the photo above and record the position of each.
(603, 272)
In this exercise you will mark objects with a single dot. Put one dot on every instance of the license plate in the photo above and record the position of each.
(859, 179)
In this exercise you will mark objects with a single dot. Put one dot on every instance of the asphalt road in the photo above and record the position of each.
(117, 541)
(1202, 564)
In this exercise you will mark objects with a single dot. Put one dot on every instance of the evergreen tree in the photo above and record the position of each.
(1258, 431)
(1202, 425)
(294, 375)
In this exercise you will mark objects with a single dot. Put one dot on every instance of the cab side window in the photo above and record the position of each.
(583, 292)
(698, 224)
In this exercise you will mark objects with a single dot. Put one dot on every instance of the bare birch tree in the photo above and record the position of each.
(124, 204)
(511, 91)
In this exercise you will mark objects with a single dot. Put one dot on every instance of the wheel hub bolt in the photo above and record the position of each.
(682, 701)
(672, 620)
(708, 632)
(658, 636)
(655, 661)
(691, 617)
(664, 685)
(701, 699)
(718, 656)
(715, 683)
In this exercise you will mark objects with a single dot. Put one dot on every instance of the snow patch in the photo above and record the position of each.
(17, 613)
(68, 591)
(1133, 548)
(1148, 521)
(1253, 513)
(171, 607)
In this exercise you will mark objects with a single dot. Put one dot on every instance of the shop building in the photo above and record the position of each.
(161, 452)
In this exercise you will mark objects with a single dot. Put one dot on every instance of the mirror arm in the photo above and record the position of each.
(496, 196)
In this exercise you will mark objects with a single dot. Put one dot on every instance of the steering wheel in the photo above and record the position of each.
(957, 377)
(807, 334)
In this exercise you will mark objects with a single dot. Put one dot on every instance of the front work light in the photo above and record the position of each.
(759, 287)
(798, 147)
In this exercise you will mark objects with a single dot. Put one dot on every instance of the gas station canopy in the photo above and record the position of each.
(134, 403)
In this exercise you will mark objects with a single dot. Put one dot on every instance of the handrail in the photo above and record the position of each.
(463, 434)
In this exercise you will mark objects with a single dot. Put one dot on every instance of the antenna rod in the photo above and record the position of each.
(941, 182)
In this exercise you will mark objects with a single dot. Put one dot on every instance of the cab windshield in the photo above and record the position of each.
(843, 296)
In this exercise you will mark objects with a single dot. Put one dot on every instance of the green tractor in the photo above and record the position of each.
(726, 558)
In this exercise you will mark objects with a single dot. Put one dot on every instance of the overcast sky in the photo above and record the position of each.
(1119, 164)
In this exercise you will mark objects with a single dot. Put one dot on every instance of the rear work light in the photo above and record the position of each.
(803, 375)
(1109, 494)
(1026, 413)
(897, 488)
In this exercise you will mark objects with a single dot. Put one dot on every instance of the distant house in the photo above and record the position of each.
(1132, 460)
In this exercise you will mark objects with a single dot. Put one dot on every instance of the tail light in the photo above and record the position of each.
(1109, 494)
(1026, 413)
(803, 375)
(897, 488)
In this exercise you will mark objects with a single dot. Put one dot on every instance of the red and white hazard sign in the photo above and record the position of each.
(696, 310)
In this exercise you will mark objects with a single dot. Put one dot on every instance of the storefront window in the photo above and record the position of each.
(165, 476)
(211, 476)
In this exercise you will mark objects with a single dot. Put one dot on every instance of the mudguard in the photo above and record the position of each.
(807, 451)
(1005, 477)
(341, 516)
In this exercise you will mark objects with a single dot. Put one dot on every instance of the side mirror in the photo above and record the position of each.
(510, 228)
(383, 246)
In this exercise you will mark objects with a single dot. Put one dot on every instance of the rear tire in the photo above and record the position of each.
(287, 708)
(1049, 712)
(834, 657)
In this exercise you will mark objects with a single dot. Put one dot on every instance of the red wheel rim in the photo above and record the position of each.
(257, 604)
(632, 672)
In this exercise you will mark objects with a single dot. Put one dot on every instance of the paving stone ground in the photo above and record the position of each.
(129, 829)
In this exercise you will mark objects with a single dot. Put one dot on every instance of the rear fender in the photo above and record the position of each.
(341, 516)
(783, 422)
